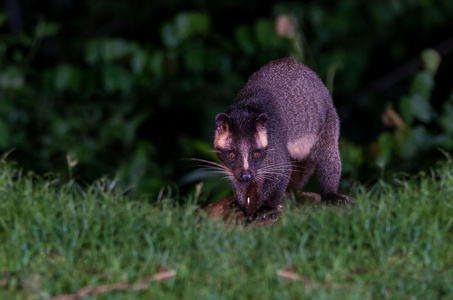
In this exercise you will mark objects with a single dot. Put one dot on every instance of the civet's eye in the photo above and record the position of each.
(231, 155)
(256, 154)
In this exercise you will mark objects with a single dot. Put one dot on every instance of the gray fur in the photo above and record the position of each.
(302, 128)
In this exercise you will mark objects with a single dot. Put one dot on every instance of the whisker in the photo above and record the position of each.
(211, 167)
(280, 168)
(265, 176)
(278, 164)
(276, 169)
(276, 174)
(207, 162)
(294, 167)
(215, 168)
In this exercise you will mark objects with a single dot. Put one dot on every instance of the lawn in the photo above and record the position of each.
(60, 240)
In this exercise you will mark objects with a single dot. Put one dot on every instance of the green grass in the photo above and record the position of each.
(395, 242)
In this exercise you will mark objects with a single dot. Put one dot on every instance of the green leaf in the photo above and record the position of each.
(67, 78)
(423, 84)
(385, 142)
(194, 59)
(406, 110)
(156, 63)
(190, 24)
(446, 119)
(12, 78)
(265, 33)
(351, 157)
(244, 38)
(45, 29)
(116, 78)
(139, 60)
(183, 25)
(169, 35)
(201, 23)
(51, 29)
(92, 52)
(113, 49)
(421, 108)
(431, 60)
(419, 139)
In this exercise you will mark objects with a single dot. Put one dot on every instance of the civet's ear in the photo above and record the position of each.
(222, 122)
(260, 122)
(261, 132)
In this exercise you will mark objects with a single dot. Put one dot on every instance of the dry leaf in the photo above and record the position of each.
(95, 290)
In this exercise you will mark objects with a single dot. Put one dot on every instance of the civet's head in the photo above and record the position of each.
(241, 143)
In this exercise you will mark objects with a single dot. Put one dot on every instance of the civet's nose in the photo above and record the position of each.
(246, 176)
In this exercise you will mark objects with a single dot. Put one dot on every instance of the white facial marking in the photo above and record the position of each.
(245, 155)
(246, 162)
(222, 140)
(261, 137)
(300, 148)
(248, 200)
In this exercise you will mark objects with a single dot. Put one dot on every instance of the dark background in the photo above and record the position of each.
(125, 89)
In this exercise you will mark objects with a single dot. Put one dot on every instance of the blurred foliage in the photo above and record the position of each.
(127, 89)
(417, 132)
